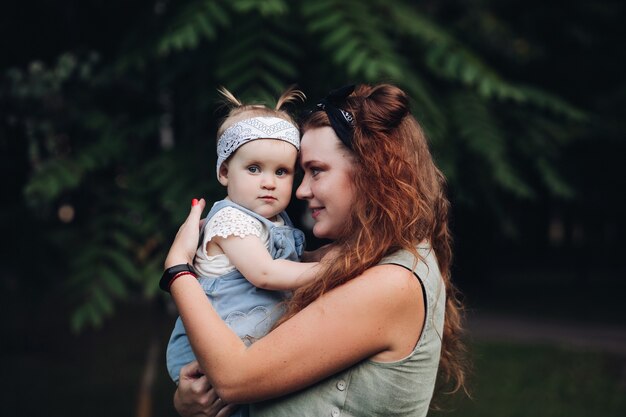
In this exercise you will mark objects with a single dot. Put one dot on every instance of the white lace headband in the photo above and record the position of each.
(251, 129)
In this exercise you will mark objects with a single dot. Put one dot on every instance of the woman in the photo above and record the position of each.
(367, 337)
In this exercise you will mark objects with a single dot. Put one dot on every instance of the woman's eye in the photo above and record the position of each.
(253, 169)
(315, 171)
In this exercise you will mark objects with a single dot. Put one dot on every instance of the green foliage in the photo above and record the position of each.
(360, 40)
(95, 127)
(196, 21)
(257, 60)
(480, 133)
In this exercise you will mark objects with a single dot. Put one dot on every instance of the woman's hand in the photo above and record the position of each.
(185, 243)
(196, 398)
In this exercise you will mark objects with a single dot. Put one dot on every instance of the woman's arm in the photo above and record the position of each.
(252, 259)
(378, 315)
(368, 316)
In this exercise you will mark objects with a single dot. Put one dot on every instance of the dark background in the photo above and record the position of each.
(107, 119)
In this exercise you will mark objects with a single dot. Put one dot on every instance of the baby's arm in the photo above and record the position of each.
(317, 254)
(251, 258)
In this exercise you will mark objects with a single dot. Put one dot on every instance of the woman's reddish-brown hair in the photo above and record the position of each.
(400, 202)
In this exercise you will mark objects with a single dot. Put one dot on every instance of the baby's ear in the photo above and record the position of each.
(223, 174)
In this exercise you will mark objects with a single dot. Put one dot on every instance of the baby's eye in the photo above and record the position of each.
(253, 169)
(282, 171)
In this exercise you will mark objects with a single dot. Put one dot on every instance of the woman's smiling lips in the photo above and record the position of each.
(315, 211)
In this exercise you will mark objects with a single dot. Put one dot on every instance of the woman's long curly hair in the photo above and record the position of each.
(400, 202)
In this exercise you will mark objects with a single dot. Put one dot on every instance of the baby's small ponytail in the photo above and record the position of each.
(291, 95)
(238, 110)
(229, 98)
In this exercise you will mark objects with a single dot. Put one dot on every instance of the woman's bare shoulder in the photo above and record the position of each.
(383, 281)
(392, 296)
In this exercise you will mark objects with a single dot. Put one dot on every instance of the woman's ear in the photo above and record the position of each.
(223, 174)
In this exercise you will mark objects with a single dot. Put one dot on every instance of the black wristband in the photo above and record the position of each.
(170, 273)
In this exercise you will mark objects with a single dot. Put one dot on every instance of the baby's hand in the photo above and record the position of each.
(330, 252)
(195, 396)
(327, 251)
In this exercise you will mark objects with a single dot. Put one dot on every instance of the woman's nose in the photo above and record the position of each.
(303, 192)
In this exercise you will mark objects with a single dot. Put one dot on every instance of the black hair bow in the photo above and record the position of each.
(341, 120)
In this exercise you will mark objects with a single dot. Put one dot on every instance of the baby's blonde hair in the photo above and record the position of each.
(240, 111)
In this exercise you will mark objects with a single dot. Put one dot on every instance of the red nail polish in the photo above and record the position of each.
(194, 202)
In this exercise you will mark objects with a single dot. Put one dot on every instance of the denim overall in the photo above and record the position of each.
(249, 311)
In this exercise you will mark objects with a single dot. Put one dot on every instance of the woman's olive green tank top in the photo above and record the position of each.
(368, 389)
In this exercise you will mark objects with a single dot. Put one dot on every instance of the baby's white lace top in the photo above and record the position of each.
(228, 222)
